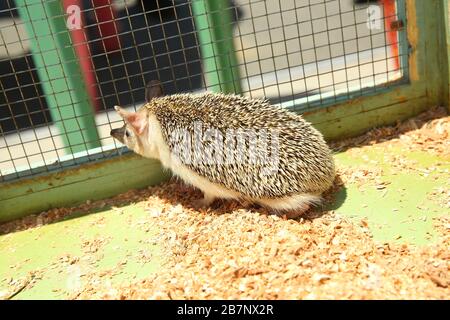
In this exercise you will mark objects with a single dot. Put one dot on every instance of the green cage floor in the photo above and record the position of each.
(57, 255)
(395, 190)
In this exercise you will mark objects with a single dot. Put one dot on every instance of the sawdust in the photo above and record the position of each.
(429, 131)
(235, 252)
(241, 253)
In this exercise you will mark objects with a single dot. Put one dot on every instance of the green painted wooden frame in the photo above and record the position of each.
(428, 86)
(60, 73)
(446, 50)
(93, 180)
(214, 27)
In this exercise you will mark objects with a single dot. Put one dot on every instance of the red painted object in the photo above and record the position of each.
(81, 46)
(104, 12)
(389, 11)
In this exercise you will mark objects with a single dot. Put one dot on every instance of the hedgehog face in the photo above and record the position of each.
(125, 135)
(134, 133)
(133, 130)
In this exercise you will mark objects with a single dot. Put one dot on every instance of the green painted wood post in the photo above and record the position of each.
(215, 30)
(447, 51)
(403, 39)
(60, 73)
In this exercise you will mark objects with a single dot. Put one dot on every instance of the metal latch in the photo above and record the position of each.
(397, 25)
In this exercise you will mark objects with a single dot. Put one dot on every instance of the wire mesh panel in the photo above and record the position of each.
(297, 52)
(64, 64)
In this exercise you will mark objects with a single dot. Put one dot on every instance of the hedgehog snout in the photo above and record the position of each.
(117, 134)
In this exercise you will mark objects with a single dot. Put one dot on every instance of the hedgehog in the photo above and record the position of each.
(232, 147)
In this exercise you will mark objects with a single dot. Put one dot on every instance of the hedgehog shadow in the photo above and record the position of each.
(185, 195)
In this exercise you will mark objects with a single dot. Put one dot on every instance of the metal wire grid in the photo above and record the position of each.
(297, 53)
(316, 50)
(13, 147)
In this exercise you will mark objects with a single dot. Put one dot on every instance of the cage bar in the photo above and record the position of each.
(214, 26)
(446, 50)
(60, 73)
(403, 45)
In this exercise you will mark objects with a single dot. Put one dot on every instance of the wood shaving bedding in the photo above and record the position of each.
(239, 254)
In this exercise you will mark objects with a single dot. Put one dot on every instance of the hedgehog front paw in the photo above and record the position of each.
(205, 202)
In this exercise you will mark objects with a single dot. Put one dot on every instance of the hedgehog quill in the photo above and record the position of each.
(232, 147)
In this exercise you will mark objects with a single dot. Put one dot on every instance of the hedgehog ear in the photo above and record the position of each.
(153, 89)
(136, 120)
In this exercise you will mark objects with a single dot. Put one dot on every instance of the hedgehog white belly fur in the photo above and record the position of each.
(305, 164)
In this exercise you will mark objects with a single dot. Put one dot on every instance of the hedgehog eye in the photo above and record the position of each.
(127, 133)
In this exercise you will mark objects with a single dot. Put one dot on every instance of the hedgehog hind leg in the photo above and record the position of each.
(204, 202)
(293, 206)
